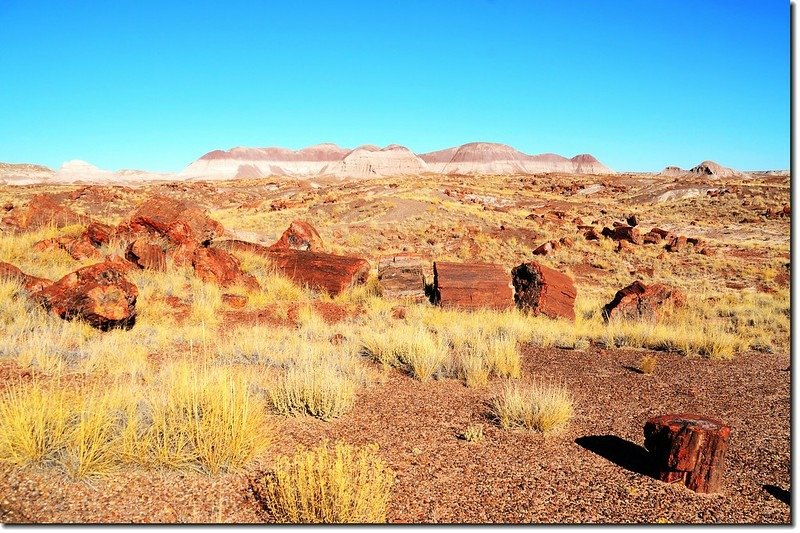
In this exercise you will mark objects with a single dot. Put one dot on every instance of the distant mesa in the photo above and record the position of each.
(371, 161)
(494, 158)
(704, 169)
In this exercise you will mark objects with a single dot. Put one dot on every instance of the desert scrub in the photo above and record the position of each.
(412, 347)
(647, 364)
(339, 484)
(473, 433)
(323, 392)
(538, 405)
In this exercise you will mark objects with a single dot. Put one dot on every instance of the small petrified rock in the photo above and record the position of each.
(99, 294)
(688, 449)
(300, 235)
(213, 265)
(677, 244)
(146, 254)
(627, 233)
(99, 234)
(638, 301)
(30, 283)
(542, 290)
(235, 301)
(472, 286)
(41, 211)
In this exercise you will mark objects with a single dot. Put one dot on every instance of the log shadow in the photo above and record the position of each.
(633, 369)
(778, 493)
(619, 451)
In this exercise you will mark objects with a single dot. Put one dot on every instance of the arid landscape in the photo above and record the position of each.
(469, 335)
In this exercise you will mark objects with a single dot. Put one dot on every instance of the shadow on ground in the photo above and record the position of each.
(619, 451)
(784, 496)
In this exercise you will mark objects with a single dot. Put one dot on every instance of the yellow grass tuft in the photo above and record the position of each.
(537, 405)
(343, 484)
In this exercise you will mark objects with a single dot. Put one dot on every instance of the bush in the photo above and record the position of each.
(540, 406)
(323, 485)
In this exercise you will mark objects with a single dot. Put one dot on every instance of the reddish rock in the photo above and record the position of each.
(624, 246)
(542, 290)
(399, 313)
(213, 265)
(627, 233)
(632, 220)
(664, 234)
(652, 238)
(99, 234)
(566, 241)
(688, 449)
(99, 294)
(401, 277)
(677, 244)
(146, 254)
(707, 251)
(29, 283)
(547, 248)
(234, 300)
(638, 301)
(41, 211)
(592, 235)
(79, 247)
(607, 232)
(472, 286)
(299, 235)
(180, 222)
(319, 271)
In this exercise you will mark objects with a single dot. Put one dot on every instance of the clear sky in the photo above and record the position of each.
(155, 84)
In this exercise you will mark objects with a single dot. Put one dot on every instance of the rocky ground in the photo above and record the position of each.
(713, 240)
(593, 472)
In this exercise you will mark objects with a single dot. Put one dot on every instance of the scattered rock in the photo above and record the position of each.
(29, 283)
(99, 294)
(41, 211)
(592, 235)
(78, 248)
(99, 234)
(542, 290)
(235, 301)
(632, 220)
(299, 235)
(214, 265)
(146, 254)
(627, 233)
(677, 244)
(638, 301)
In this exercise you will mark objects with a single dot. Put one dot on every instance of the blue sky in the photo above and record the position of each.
(154, 85)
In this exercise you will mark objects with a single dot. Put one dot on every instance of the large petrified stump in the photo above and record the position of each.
(472, 286)
(320, 271)
(542, 290)
(689, 449)
(401, 277)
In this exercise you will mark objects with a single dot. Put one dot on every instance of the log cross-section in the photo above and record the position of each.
(688, 449)
(542, 290)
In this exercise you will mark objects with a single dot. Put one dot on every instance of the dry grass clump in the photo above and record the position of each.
(412, 347)
(537, 405)
(343, 484)
(472, 433)
(647, 364)
(323, 392)
(203, 419)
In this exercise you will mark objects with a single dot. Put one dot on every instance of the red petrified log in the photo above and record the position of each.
(538, 289)
(300, 235)
(472, 286)
(330, 273)
(640, 301)
(689, 449)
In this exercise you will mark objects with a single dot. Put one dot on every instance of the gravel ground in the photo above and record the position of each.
(593, 471)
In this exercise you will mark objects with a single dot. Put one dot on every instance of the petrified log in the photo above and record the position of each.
(178, 221)
(99, 294)
(677, 244)
(401, 277)
(213, 265)
(627, 233)
(542, 290)
(320, 271)
(472, 286)
(689, 449)
(145, 254)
